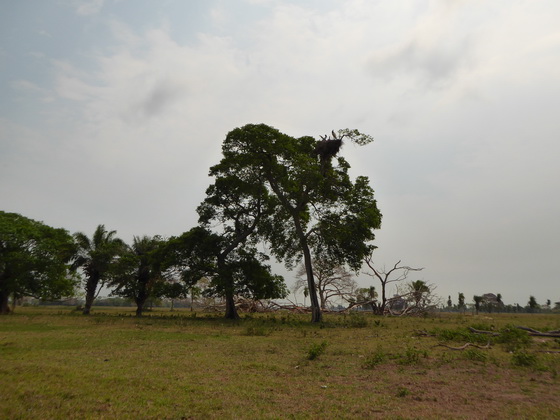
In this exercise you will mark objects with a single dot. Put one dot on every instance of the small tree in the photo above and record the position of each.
(477, 301)
(499, 302)
(532, 304)
(461, 302)
(231, 271)
(366, 296)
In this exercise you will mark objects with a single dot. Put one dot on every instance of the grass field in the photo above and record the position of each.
(57, 364)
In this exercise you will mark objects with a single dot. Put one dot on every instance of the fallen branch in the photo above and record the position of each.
(535, 333)
(463, 347)
(492, 333)
(530, 331)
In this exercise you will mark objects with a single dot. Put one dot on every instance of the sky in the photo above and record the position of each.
(112, 112)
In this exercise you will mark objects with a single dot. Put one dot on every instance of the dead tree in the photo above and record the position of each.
(396, 274)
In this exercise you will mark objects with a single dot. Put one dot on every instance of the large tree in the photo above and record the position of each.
(312, 206)
(95, 257)
(34, 260)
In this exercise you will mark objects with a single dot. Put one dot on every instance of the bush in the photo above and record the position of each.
(412, 356)
(374, 359)
(522, 358)
(513, 338)
(316, 350)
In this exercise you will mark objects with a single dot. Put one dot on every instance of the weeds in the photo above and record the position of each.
(513, 338)
(355, 321)
(402, 392)
(411, 356)
(476, 355)
(523, 358)
(316, 350)
(259, 331)
(374, 359)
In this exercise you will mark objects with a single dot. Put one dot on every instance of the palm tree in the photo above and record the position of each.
(95, 257)
(139, 271)
(477, 302)
(418, 289)
(499, 301)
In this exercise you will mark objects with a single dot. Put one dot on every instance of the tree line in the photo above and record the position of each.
(293, 194)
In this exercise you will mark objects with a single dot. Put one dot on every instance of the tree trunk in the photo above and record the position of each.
(139, 306)
(231, 310)
(4, 305)
(316, 314)
(91, 288)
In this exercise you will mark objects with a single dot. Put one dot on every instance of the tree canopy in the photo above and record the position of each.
(34, 260)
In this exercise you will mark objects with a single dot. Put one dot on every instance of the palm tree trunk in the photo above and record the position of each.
(91, 288)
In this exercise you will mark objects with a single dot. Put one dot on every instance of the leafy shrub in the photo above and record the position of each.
(402, 392)
(374, 359)
(411, 356)
(460, 335)
(316, 350)
(523, 358)
(513, 338)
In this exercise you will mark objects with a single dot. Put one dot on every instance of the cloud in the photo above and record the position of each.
(460, 97)
(87, 7)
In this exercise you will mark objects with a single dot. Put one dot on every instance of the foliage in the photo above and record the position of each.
(34, 260)
(374, 359)
(513, 338)
(355, 320)
(461, 301)
(139, 271)
(316, 350)
(237, 270)
(411, 356)
(524, 358)
(307, 205)
(96, 258)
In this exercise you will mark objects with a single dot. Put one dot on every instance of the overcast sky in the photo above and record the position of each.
(112, 111)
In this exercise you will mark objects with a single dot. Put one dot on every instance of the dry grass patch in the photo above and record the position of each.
(112, 365)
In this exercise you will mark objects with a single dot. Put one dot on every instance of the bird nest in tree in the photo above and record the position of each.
(328, 148)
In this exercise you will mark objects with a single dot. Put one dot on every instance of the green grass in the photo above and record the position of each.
(60, 365)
